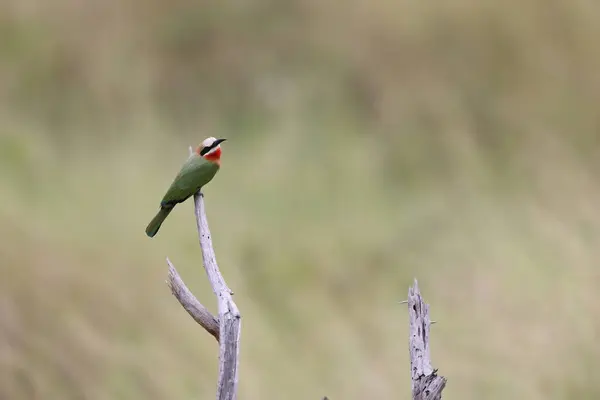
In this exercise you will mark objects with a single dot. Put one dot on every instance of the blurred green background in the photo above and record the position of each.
(369, 143)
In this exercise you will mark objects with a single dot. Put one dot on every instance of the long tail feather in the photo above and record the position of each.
(154, 225)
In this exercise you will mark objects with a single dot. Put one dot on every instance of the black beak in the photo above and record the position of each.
(217, 142)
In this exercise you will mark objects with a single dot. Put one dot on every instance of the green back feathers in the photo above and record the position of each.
(193, 175)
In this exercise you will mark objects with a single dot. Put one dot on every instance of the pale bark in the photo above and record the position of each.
(189, 302)
(426, 384)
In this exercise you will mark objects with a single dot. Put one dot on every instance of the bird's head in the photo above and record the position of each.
(210, 149)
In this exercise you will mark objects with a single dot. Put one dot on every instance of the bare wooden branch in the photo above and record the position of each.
(426, 384)
(190, 303)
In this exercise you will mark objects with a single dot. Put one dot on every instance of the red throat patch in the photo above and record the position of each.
(214, 156)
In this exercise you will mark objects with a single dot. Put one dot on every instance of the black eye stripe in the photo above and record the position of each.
(207, 149)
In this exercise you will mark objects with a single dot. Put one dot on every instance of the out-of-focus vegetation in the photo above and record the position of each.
(370, 143)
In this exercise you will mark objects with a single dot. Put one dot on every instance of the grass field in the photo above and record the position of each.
(369, 144)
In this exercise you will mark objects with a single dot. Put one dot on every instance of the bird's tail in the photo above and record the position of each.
(154, 225)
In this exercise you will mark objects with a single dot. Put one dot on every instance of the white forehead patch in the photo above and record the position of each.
(208, 141)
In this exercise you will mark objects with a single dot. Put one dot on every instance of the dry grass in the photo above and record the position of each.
(457, 143)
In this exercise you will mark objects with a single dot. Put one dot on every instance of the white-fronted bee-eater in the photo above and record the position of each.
(197, 171)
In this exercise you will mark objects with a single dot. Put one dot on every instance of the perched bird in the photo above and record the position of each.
(197, 171)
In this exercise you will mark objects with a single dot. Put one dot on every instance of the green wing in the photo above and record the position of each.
(195, 173)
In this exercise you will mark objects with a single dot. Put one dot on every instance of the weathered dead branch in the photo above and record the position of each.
(189, 302)
(426, 384)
